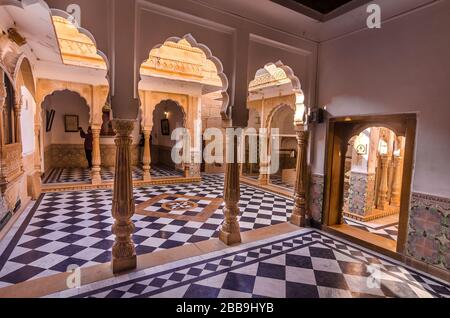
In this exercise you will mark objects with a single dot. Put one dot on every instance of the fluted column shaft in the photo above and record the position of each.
(397, 182)
(96, 157)
(264, 164)
(147, 158)
(123, 251)
(17, 115)
(299, 213)
(37, 148)
(230, 233)
(384, 186)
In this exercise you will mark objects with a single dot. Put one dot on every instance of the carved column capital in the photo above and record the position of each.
(123, 127)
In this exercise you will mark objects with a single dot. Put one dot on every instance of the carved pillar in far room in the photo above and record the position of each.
(18, 114)
(397, 182)
(264, 163)
(299, 213)
(398, 172)
(147, 157)
(37, 149)
(96, 157)
(384, 186)
(123, 251)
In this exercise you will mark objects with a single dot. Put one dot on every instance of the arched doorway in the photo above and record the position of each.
(167, 116)
(250, 168)
(185, 71)
(65, 158)
(372, 181)
(283, 122)
(277, 111)
(368, 179)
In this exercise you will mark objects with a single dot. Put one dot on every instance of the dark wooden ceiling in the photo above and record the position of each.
(323, 6)
(321, 10)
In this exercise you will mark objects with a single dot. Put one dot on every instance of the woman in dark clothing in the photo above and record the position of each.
(88, 138)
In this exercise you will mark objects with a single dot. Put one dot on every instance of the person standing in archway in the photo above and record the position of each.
(88, 138)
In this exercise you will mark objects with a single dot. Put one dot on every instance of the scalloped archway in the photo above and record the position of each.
(211, 61)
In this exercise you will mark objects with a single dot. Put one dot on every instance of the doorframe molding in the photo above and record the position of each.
(339, 131)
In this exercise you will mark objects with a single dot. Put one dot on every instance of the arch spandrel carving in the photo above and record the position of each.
(10, 57)
(150, 99)
(212, 62)
(95, 96)
(277, 75)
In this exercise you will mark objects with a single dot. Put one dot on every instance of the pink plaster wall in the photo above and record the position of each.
(403, 67)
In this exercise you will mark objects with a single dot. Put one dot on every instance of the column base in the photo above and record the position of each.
(34, 185)
(96, 177)
(147, 175)
(230, 238)
(299, 220)
(123, 265)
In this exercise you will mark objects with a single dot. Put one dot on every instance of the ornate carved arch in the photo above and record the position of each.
(225, 110)
(274, 111)
(48, 87)
(180, 107)
(300, 110)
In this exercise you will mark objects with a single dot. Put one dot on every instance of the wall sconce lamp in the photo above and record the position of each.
(166, 114)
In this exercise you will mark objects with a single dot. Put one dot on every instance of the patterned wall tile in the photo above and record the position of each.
(428, 236)
(361, 193)
(316, 196)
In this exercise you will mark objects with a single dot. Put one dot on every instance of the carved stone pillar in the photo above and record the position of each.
(263, 177)
(230, 233)
(37, 148)
(397, 182)
(384, 186)
(96, 157)
(299, 213)
(17, 115)
(123, 251)
(264, 163)
(147, 158)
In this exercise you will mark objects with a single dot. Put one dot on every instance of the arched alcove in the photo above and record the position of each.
(167, 116)
(275, 95)
(64, 111)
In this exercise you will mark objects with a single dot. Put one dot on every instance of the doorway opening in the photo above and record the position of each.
(167, 116)
(368, 184)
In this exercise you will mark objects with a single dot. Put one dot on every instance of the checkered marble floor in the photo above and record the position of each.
(275, 180)
(389, 231)
(304, 264)
(83, 175)
(74, 228)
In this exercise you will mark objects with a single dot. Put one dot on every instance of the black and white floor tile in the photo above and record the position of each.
(275, 180)
(389, 231)
(304, 264)
(83, 175)
(74, 228)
